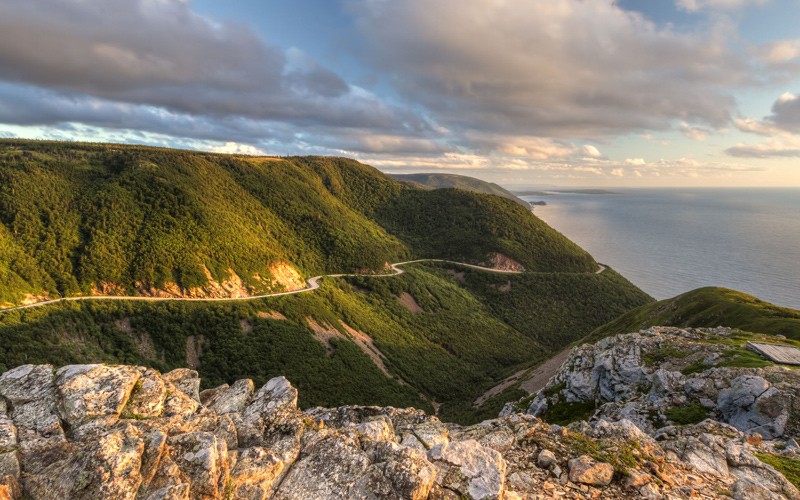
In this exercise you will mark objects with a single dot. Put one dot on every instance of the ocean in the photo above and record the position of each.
(669, 241)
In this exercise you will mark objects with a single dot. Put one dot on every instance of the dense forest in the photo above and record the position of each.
(79, 219)
(453, 337)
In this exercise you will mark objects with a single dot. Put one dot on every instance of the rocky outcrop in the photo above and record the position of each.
(125, 432)
(662, 376)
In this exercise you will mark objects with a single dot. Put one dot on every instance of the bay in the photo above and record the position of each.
(669, 241)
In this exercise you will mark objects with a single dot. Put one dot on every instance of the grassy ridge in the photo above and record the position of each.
(450, 352)
(77, 217)
(708, 307)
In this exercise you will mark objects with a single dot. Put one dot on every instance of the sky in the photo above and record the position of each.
(646, 93)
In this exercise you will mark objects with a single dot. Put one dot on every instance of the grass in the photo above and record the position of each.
(563, 413)
(709, 307)
(789, 467)
(692, 413)
(743, 358)
(622, 455)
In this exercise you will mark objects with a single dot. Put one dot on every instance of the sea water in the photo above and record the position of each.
(669, 241)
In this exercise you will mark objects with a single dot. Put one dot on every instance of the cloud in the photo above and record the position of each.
(160, 53)
(780, 52)
(568, 69)
(781, 130)
(697, 5)
(694, 133)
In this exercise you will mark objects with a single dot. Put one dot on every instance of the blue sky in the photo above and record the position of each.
(522, 92)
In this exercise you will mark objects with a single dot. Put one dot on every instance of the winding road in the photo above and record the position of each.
(313, 284)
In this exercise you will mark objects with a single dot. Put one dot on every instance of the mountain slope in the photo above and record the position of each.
(86, 219)
(463, 182)
(708, 307)
(410, 340)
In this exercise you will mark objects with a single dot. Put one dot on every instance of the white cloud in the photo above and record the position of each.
(635, 162)
(780, 52)
(781, 130)
(591, 151)
(568, 69)
(239, 149)
(618, 172)
(696, 5)
(694, 133)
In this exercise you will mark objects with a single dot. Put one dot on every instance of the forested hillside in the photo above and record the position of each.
(438, 334)
(445, 181)
(79, 219)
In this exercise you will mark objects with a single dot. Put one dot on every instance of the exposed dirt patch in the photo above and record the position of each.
(144, 344)
(286, 276)
(502, 386)
(246, 326)
(107, 288)
(538, 377)
(502, 262)
(532, 379)
(506, 287)
(282, 277)
(324, 333)
(194, 349)
(271, 315)
(459, 275)
(365, 343)
(32, 299)
(409, 302)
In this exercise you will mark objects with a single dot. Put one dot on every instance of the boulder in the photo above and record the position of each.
(203, 459)
(147, 397)
(231, 399)
(91, 392)
(186, 380)
(586, 470)
(470, 469)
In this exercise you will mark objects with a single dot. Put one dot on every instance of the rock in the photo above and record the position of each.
(637, 479)
(426, 435)
(232, 399)
(255, 473)
(203, 459)
(90, 392)
(186, 380)
(27, 383)
(272, 405)
(470, 469)
(104, 468)
(546, 459)
(156, 442)
(745, 489)
(337, 467)
(380, 429)
(147, 397)
(31, 392)
(586, 470)
(737, 404)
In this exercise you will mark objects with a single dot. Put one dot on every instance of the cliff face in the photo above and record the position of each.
(100, 431)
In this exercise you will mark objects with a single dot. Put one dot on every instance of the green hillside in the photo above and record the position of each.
(441, 336)
(78, 219)
(463, 182)
(708, 307)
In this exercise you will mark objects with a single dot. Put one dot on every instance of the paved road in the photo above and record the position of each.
(312, 284)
